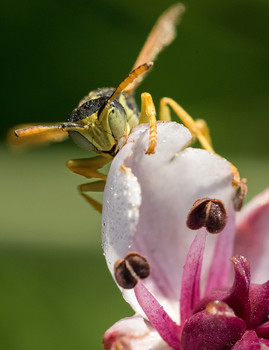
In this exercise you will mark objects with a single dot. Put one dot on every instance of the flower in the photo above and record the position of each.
(183, 304)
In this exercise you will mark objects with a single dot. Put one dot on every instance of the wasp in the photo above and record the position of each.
(106, 115)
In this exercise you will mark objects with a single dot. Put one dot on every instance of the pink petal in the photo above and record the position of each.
(237, 297)
(249, 341)
(190, 288)
(219, 272)
(212, 329)
(259, 302)
(264, 344)
(156, 314)
(145, 207)
(263, 330)
(133, 333)
(252, 238)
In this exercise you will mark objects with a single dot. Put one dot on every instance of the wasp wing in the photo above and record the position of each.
(161, 35)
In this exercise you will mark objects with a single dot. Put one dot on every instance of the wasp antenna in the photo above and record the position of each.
(72, 126)
(125, 83)
(37, 129)
(130, 78)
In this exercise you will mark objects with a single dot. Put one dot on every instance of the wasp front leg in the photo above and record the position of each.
(148, 114)
(198, 128)
(89, 167)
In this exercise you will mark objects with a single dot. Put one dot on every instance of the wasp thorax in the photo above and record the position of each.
(130, 269)
(208, 213)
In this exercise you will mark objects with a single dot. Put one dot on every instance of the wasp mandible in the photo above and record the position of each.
(106, 115)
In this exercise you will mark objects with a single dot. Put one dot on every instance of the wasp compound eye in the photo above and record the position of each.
(130, 269)
(208, 213)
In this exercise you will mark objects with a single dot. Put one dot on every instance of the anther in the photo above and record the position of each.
(208, 213)
(219, 308)
(240, 194)
(130, 269)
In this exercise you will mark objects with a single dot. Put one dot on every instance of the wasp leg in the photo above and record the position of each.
(96, 186)
(198, 128)
(88, 167)
(164, 113)
(148, 114)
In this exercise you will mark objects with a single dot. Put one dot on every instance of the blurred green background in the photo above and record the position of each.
(55, 290)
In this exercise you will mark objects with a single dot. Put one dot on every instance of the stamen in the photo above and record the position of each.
(219, 308)
(208, 213)
(240, 194)
(130, 269)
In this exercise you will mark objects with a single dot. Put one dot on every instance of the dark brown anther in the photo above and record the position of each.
(130, 269)
(240, 194)
(208, 213)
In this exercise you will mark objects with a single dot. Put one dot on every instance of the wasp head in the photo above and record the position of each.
(103, 125)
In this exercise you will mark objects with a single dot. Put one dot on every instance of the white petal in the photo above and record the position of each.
(170, 181)
(133, 333)
(122, 200)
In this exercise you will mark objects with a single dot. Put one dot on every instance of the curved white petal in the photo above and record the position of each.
(133, 333)
(122, 200)
(149, 212)
(252, 236)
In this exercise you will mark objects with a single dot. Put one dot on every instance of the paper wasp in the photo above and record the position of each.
(107, 114)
